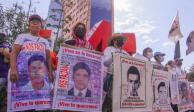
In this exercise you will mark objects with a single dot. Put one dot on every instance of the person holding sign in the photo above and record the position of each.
(133, 79)
(81, 77)
(159, 58)
(79, 37)
(115, 45)
(35, 24)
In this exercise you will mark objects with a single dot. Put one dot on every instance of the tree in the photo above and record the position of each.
(14, 20)
(190, 74)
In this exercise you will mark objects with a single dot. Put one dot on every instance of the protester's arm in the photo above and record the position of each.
(49, 65)
(107, 57)
(13, 67)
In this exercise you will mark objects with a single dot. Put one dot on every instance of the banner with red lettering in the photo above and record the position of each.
(184, 94)
(78, 84)
(160, 81)
(131, 85)
(32, 90)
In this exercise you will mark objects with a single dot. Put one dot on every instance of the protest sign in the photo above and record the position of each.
(78, 84)
(160, 81)
(184, 95)
(174, 87)
(32, 90)
(131, 85)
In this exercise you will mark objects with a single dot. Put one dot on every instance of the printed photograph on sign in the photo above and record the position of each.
(174, 89)
(79, 84)
(32, 90)
(161, 93)
(133, 85)
(82, 78)
(184, 93)
(37, 73)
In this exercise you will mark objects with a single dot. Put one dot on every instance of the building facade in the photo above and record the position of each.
(88, 12)
(54, 20)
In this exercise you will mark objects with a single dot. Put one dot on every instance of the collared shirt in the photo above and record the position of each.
(28, 86)
(77, 92)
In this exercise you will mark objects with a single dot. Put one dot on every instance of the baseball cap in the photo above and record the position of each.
(159, 54)
(35, 17)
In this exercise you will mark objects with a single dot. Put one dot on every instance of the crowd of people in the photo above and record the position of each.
(8, 61)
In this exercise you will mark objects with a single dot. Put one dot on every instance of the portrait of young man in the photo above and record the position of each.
(81, 77)
(184, 94)
(37, 71)
(162, 94)
(133, 79)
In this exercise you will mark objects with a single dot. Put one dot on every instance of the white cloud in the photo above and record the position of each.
(127, 19)
(167, 44)
(148, 40)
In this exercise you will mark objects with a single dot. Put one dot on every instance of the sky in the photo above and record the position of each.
(150, 20)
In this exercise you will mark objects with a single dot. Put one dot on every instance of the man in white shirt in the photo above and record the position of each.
(159, 58)
(81, 77)
(115, 45)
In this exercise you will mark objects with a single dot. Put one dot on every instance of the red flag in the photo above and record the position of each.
(99, 35)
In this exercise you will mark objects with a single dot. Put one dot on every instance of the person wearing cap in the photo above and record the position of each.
(159, 58)
(5, 50)
(115, 44)
(79, 37)
(35, 25)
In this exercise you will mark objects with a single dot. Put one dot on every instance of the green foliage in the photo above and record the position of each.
(190, 75)
(13, 19)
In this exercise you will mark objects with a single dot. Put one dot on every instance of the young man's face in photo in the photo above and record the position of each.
(162, 93)
(37, 71)
(133, 83)
(81, 79)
